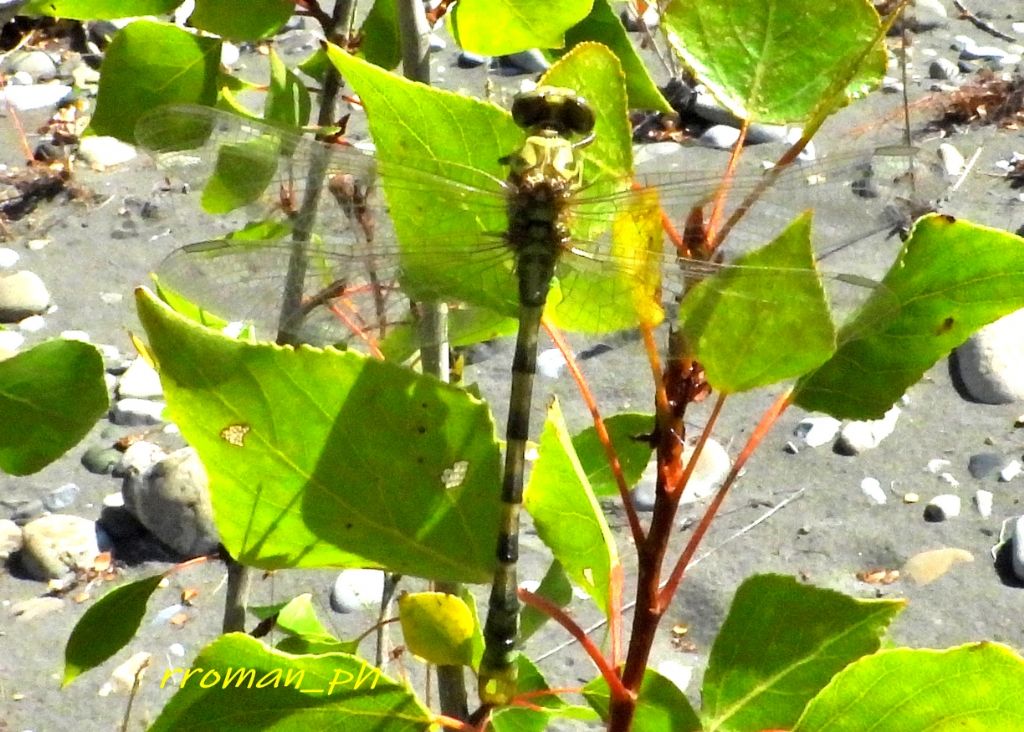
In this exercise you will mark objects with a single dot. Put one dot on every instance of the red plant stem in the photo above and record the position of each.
(618, 691)
(602, 433)
(723, 189)
(767, 421)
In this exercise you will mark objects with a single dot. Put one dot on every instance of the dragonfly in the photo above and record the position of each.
(545, 240)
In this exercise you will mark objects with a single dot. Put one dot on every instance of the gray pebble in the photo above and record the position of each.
(37, 64)
(719, 137)
(22, 294)
(991, 362)
(172, 500)
(469, 60)
(138, 457)
(57, 543)
(1017, 548)
(136, 412)
(528, 62)
(60, 498)
(36, 607)
(942, 507)
(943, 68)
(985, 464)
(100, 459)
(102, 152)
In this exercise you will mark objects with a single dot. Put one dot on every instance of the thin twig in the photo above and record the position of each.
(981, 24)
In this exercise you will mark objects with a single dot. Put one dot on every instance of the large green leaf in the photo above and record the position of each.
(496, 27)
(603, 26)
(107, 626)
(381, 44)
(566, 513)
(50, 397)
(779, 645)
(951, 278)
(97, 9)
(324, 458)
(237, 683)
(661, 706)
(149, 64)
(771, 61)
(972, 688)
(419, 130)
(758, 325)
(248, 21)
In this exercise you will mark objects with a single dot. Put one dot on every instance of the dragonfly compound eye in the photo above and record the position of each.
(552, 108)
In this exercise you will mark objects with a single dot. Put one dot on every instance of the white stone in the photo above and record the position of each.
(10, 539)
(123, 677)
(57, 543)
(33, 96)
(32, 324)
(911, 498)
(229, 54)
(949, 479)
(872, 488)
(137, 412)
(550, 363)
(139, 457)
(983, 502)
(1017, 548)
(76, 335)
(1010, 471)
(991, 362)
(952, 160)
(22, 294)
(36, 607)
(720, 137)
(177, 650)
(102, 152)
(856, 437)
(356, 589)
(172, 500)
(937, 464)
(140, 381)
(35, 245)
(8, 258)
(817, 431)
(712, 468)
(942, 507)
(11, 340)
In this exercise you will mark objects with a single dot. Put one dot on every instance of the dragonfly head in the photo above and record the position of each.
(550, 110)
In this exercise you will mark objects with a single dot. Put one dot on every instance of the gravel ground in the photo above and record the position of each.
(826, 534)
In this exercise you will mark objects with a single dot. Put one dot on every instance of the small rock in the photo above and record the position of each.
(949, 479)
(528, 62)
(84, 76)
(436, 43)
(943, 68)
(22, 294)
(469, 60)
(937, 464)
(952, 160)
(719, 137)
(100, 459)
(102, 152)
(177, 650)
(57, 543)
(817, 431)
(33, 96)
(140, 381)
(985, 464)
(644, 493)
(37, 64)
(10, 539)
(36, 245)
(942, 507)
(911, 498)
(8, 258)
(790, 448)
(229, 54)
(123, 678)
(32, 324)
(20, 78)
(356, 589)
(172, 500)
(550, 363)
(11, 340)
(1017, 547)
(1011, 471)
(136, 412)
(36, 607)
(26, 510)
(983, 502)
(928, 566)
(856, 437)
(76, 335)
(712, 468)
(872, 488)
(60, 498)
(991, 362)
(139, 457)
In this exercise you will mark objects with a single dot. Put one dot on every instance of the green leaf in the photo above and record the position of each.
(660, 707)
(951, 278)
(603, 26)
(775, 62)
(306, 634)
(252, 21)
(972, 688)
(287, 103)
(149, 64)
(626, 430)
(242, 172)
(107, 627)
(780, 644)
(496, 27)
(546, 706)
(758, 325)
(381, 44)
(324, 458)
(97, 9)
(556, 588)
(438, 627)
(50, 397)
(236, 683)
(566, 514)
